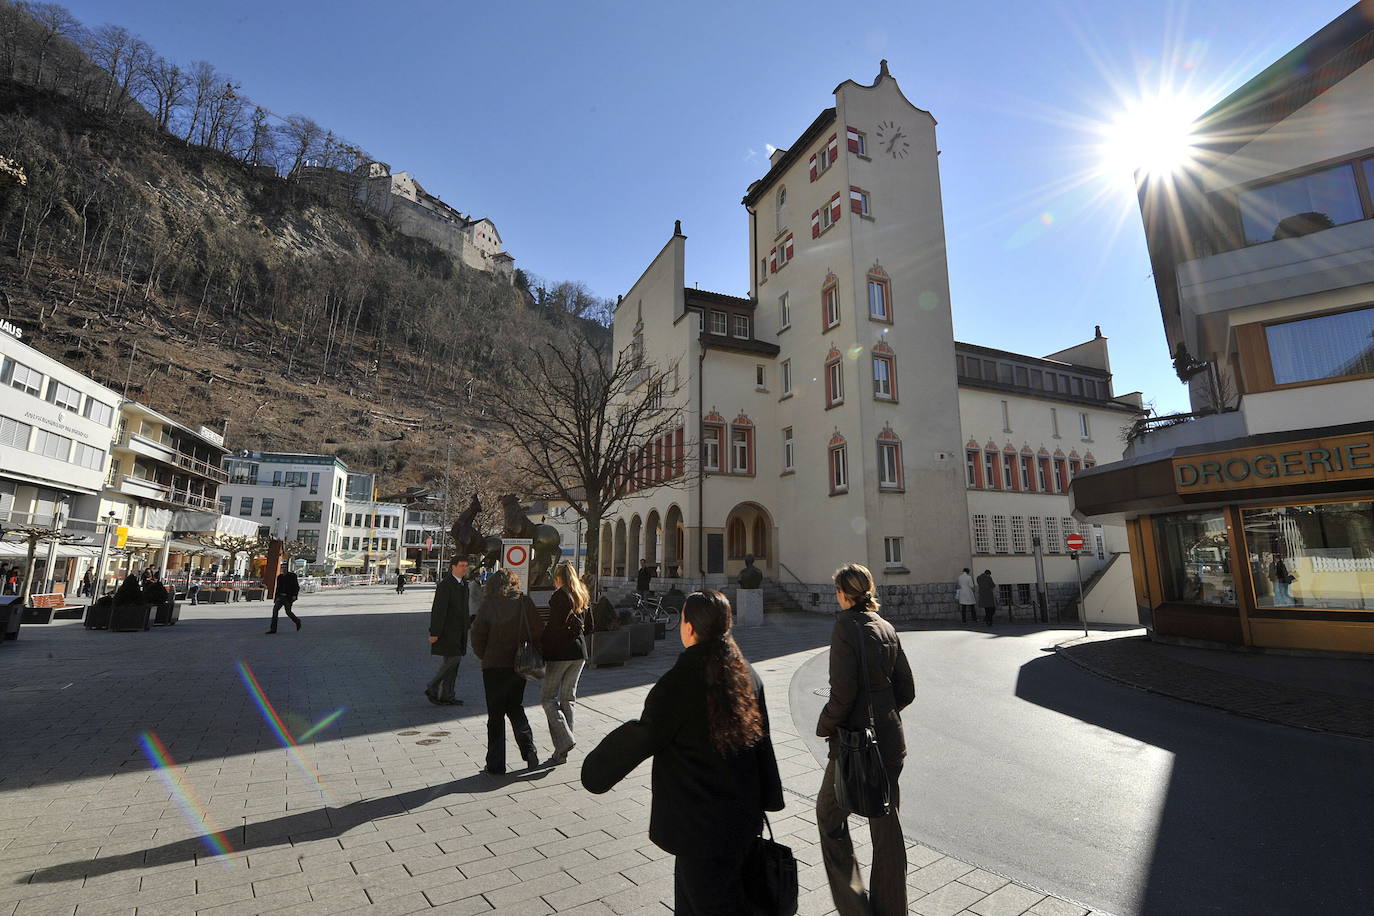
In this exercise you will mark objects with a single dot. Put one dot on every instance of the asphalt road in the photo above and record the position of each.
(1125, 802)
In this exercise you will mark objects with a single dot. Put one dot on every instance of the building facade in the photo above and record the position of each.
(1253, 514)
(294, 497)
(371, 538)
(820, 416)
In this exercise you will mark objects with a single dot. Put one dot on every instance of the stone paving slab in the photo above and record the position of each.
(1137, 662)
(384, 811)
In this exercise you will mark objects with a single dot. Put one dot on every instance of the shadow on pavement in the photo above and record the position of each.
(315, 824)
(1256, 818)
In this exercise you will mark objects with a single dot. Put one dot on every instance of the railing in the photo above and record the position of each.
(203, 468)
(1146, 425)
(145, 482)
(794, 575)
(193, 500)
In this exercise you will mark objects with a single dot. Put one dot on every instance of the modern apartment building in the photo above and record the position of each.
(293, 497)
(1253, 514)
(371, 538)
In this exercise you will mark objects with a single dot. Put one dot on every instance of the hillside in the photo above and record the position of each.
(222, 293)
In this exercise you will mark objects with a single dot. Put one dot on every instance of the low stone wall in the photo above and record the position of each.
(924, 601)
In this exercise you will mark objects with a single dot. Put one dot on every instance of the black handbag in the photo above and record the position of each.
(861, 785)
(770, 876)
(529, 661)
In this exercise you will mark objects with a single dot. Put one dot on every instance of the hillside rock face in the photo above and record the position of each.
(223, 294)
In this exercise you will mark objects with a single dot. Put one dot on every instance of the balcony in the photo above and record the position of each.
(191, 500)
(201, 468)
(142, 487)
(140, 444)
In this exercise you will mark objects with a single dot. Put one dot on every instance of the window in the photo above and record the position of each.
(834, 381)
(87, 457)
(858, 201)
(884, 377)
(830, 303)
(760, 537)
(780, 255)
(786, 377)
(826, 157)
(311, 510)
(760, 377)
(1027, 474)
(1036, 532)
(226, 503)
(51, 445)
(310, 545)
(1054, 421)
(64, 396)
(1001, 542)
(1006, 418)
(742, 327)
(701, 321)
(99, 412)
(780, 209)
(990, 480)
(839, 466)
(1052, 542)
(736, 539)
(268, 503)
(892, 552)
(741, 450)
(878, 299)
(14, 434)
(245, 505)
(1019, 543)
(18, 375)
(1008, 471)
(1043, 476)
(784, 313)
(314, 483)
(1084, 429)
(889, 464)
(1328, 346)
(718, 323)
(972, 478)
(1316, 556)
(710, 448)
(1061, 477)
(982, 542)
(1022, 377)
(1298, 206)
(788, 454)
(858, 142)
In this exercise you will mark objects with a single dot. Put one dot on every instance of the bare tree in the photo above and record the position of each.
(584, 421)
(204, 82)
(261, 139)
(301, 136)
(54, 22)
(234, 545)
(124, 57)
(32, 535)
(166, 84)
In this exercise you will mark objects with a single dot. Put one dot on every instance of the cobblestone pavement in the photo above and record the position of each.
(382, 808)
(1137, 662)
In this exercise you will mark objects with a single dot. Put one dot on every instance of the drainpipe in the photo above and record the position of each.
(701, 464)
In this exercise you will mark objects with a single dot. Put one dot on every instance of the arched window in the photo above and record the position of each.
(839, 465)
(760, 537)
(834, 378)
(884, 372)
(890, 474)
(879, 295)
(735, 540)
(830, 302)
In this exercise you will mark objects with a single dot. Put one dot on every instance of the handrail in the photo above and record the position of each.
(794, 575)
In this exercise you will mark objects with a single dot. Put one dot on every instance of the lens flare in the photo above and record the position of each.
(1150, 136)
(174, 779)
(274, 721)
(321, 725)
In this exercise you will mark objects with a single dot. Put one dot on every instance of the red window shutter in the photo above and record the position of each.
(677, 447)
(813, 168)
(835, 208)
(856, 204)
(815, 224)
(834, 147)
(773, 261)
(789, 248)
(853, 143)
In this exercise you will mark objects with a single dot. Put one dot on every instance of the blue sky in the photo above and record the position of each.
(584, 129)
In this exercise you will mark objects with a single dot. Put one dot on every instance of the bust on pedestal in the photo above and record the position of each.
(749, 596)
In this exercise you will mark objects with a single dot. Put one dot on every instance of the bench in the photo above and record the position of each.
(42, 608)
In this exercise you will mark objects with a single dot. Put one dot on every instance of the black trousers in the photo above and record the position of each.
(284, 603)
(708, 886)
(505, 692)
(442, 683)
(990, 612)
(887, 895)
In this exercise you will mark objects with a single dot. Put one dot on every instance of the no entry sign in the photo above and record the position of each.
(1074, 542)
(515, 559)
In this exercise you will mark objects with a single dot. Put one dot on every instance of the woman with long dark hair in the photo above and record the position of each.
(705, 724)
(858, 628)
(505, 619)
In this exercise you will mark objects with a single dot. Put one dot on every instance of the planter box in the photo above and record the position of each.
(254, 594)
(98, 615)
(74, 612)
(127, 618)
(11, 616)
(168, 613)
(641, 638)
(216, 596)
(38, 615)
(610, 647)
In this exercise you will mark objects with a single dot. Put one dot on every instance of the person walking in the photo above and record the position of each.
(963, 593)
(288, 590)
(401, 581)
(504, 621)
(448, 631)
(644, 576)
(987, 595)
(565, 654)
(87, 580)
(858, 628)
(705, 723)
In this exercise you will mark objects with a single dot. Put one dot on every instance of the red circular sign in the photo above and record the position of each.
(1074, 542)
(515, 555)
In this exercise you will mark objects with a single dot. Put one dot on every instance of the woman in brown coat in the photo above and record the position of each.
(504, 621)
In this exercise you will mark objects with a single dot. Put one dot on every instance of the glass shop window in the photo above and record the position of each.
(1194, 558)
(1319, 557)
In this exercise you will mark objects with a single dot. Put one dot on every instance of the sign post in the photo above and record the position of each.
(515, 560)
(1075, 544)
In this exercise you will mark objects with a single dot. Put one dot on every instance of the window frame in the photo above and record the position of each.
(892, 552)
(712, 435)
(719, 328)
(834, 382)
(789, 450)
(786, 377)
(856, 140)
(53, 391)
(884, 287)
(11, 367)
(784, 313)
(889, 363)
(838, 463)
(43, 436)
(890, 453)
(741, 321)
(860, 202)
(831, 307)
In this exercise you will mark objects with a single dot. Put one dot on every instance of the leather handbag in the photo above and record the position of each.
(861, 785)
(529, 661)
(770, 876)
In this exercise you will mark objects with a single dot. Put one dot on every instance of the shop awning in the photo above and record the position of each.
(349, 563)
(201, 549)
(407, 564)
(10, 550)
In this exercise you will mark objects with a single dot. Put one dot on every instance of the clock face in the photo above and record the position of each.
(893, 140)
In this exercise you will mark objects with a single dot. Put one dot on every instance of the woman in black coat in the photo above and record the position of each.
(705, 723)
(890, 690)
(504, 621)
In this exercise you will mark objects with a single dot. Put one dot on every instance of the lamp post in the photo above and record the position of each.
(59, 518)
(105, 552)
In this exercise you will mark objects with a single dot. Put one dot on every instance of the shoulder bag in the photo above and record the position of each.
(861, 785)
(770, 876)
(529, 661)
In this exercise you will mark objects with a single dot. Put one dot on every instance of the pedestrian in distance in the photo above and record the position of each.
(859, 628)
(87, 583)
(705, 723)
(963, 593)
(644, 576)
(565, 654)
(288, 590)
(401, 580)
(987, 596)
(448, 632)
(504, 621)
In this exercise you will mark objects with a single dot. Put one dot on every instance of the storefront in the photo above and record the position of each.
(1262, 541)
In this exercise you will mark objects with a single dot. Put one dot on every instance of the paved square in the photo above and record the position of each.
(381, 809)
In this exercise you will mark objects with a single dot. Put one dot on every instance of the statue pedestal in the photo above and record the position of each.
(749, 607)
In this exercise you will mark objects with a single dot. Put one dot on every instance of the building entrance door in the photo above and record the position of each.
(715, 553)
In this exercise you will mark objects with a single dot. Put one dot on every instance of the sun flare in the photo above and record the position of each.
(1149, 137)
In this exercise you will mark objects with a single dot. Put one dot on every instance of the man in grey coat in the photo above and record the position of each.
(448, 632)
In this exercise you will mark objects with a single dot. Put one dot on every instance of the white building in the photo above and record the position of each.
(293, 497)
(371, 538)
(821, 414)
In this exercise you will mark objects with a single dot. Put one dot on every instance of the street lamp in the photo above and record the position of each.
(105, 551)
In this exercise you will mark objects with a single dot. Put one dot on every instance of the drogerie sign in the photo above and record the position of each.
(1286, 463)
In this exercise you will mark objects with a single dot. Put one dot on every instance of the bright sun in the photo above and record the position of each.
(1150, 137)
